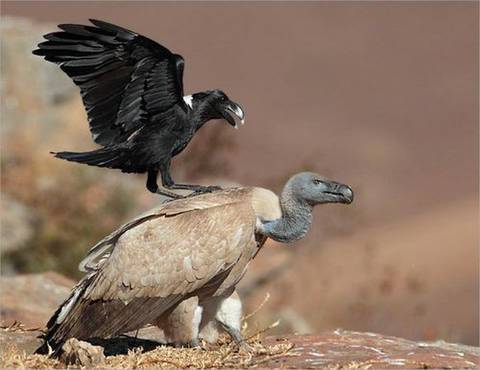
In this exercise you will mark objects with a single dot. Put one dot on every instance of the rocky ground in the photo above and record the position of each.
(335, 349)
(29, 300)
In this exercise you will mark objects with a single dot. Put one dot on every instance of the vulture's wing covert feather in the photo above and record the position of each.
(102, 250)
(124, 78)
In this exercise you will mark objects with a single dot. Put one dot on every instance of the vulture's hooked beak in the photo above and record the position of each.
(236, 109)
(338, 193)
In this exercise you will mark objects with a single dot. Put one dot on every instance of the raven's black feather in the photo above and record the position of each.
(132, 90)
(83, 50)
(104, 157)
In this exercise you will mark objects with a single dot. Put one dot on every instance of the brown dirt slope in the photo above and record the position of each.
(411, 278)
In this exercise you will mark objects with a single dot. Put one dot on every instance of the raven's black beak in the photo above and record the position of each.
(234, 108)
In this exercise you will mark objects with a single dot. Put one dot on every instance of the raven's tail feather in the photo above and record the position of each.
(105, 157)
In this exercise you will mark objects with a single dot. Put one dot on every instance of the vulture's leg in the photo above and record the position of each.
(236, 336)
(168, 182)
(153, 186)
(181, 326)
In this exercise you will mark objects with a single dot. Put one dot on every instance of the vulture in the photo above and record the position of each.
(132, 90)
(192, 247)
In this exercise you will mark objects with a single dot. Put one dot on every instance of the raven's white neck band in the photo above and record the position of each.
(188, 100)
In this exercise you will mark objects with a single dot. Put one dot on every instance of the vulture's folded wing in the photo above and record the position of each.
(155, 265)
(100, 252)
(124, 77)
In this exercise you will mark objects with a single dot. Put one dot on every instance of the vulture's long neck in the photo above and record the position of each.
(295, 221)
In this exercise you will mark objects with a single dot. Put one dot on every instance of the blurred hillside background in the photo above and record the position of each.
(383, 97)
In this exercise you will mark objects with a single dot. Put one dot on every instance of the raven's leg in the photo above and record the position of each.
(168, 182)
(153, 186)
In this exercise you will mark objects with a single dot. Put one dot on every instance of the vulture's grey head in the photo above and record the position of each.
(315, 189)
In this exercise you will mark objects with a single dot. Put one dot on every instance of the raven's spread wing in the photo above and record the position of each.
(124, 78)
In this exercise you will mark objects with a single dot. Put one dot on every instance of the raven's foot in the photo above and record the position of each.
(204, 190)
(207, 189)
(165, 193)
(194, 188)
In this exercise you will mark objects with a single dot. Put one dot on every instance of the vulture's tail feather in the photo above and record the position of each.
(51, 344)
(105, 157)
(83, 318)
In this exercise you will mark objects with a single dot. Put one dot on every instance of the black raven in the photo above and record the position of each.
(132, 89)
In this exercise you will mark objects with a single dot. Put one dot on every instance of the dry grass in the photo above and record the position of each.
(223, 355)
(11, 357)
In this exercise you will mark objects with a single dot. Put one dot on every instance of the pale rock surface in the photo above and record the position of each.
(77, 352)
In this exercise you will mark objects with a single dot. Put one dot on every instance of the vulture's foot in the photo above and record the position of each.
(238, 338)
(245, 347)
(194, 343)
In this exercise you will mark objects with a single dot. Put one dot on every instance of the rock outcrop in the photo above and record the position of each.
(77, 352)
(31, 299)
(349, 350)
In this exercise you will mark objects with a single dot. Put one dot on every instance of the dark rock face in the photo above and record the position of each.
(347, 349)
